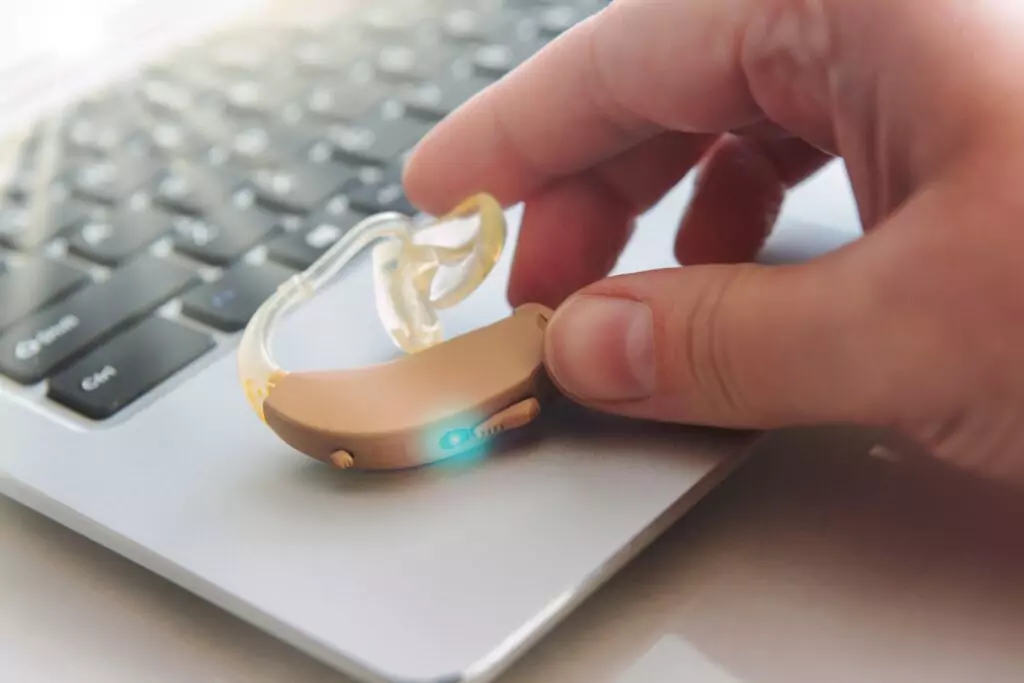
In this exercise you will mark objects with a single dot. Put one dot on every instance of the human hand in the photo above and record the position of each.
(919, 325)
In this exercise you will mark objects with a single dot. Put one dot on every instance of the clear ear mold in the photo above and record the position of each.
(418, 270)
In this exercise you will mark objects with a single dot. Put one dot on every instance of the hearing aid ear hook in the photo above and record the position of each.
(418, 270)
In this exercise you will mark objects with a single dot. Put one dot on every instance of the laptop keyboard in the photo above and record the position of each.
(143, 224)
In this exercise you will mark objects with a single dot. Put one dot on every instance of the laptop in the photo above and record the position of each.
(196, 154)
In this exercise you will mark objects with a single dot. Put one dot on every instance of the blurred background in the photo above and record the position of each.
(53, 48)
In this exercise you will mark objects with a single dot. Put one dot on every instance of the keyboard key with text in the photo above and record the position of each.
(128, 367)
(48, 341)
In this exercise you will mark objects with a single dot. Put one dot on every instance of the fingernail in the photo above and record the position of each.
(602, 348)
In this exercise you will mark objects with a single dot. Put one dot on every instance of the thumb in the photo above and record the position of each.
(740, 346)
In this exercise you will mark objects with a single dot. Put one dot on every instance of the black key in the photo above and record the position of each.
(557, 19)
(128, 367)
(30, 226)
(113, 240)
(344, 101)
(434, 100)
(192, 189)
(203, 125)
(300, 188)
(50, 340)
(494, 60)
(102, 124)
(300, 249)
(375, 141)
(92, 133)
(112, 179)
(400, 62)
(263, 96)
(392, 19)
(38, 283)
(247, 95)
(223, 236)
(403, 63)
(169, 139)
(387, 194)
(231, 301)
(326, 54)
(470, 26)
(251, 144)
(265, 144)
(290, 142)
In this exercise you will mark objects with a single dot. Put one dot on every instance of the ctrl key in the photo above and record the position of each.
(128, 367)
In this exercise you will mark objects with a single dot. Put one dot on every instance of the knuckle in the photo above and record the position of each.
(788, 35)
(788, 53)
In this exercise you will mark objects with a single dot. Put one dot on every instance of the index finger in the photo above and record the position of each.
(621, 76)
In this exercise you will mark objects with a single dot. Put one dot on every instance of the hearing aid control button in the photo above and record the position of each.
(513, 417)
(343, 460)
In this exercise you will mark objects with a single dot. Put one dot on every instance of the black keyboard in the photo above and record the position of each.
(208, 178)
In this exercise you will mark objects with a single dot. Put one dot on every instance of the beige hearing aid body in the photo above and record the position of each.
(444, 398)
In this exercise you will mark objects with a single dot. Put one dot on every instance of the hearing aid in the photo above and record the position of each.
(441, 399)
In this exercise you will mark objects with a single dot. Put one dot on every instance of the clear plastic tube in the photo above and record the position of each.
(416, 272)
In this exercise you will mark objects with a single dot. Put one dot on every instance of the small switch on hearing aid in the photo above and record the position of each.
(513, 417)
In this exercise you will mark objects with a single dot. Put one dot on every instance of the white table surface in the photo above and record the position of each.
(816, 562)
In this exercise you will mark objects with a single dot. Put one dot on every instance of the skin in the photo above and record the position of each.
(918, 325)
